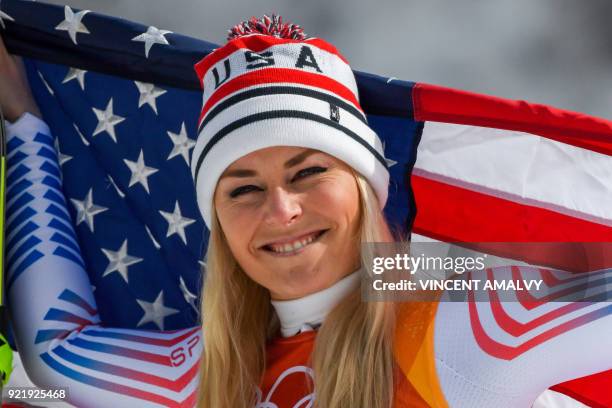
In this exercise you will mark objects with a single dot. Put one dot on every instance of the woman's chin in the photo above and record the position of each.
(295, 292)
(299, 281)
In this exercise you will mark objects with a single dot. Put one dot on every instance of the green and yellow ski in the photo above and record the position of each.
(6, 354)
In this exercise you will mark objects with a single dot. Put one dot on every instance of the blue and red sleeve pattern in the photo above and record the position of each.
(58, 330)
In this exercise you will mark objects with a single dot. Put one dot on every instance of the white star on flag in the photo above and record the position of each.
(182, 144)
(119, 261)
(176, 222)
(72, 23)
(189, 297)
(155, 312)
(140, 171)
(5, 16)
(78, 74)
(86, 210)
(107, 120)
(148, 94)
(153, 35)
(390, 162)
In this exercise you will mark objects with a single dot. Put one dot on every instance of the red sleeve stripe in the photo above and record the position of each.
(508, 352)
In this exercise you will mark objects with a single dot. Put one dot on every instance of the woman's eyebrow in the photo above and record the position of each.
(238, 173)
(299, 158)
(294, 161)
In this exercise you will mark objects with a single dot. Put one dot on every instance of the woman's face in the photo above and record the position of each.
(290, 216)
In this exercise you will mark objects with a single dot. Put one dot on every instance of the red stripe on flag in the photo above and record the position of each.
(440, 104)
(454, 214)
(593, 390)
(256, 43)
(279, 75)
(450, 213)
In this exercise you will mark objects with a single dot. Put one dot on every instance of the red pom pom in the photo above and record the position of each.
(273, 26)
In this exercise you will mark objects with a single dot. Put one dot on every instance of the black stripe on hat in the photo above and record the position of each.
(278, 90)
(257, 117)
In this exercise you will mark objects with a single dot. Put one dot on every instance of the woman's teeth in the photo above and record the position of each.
(295, 245)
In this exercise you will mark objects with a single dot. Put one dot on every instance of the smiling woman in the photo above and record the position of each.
(295, 182)
(290, 180)
(284, 254)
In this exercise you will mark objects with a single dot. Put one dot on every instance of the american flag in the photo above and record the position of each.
(125, 146)
(123, 100)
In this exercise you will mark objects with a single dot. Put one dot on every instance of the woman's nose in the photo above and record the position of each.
(282, 207)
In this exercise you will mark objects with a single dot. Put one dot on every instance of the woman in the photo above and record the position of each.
(295, 182)
(272, 241)
(288, 216)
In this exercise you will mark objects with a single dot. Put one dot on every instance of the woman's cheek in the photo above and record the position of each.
(235, 222)
(241, 221)
(242, 207)
(328, 186)
(339, 192)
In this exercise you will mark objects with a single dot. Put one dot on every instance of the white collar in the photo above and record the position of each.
(305, 313)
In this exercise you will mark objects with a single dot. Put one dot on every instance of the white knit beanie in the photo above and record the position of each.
(270, 85)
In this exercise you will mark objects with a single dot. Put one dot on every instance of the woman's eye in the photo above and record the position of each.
(243, 190)
(300, 174)
(308, 171)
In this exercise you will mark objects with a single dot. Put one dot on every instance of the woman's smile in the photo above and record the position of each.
(294, 247)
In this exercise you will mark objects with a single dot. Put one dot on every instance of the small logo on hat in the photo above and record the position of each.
(334, 113)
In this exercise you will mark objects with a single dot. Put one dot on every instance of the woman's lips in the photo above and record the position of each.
(291, 240)
(295, 246)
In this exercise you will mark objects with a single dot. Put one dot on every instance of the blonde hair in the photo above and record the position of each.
(352, 358)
